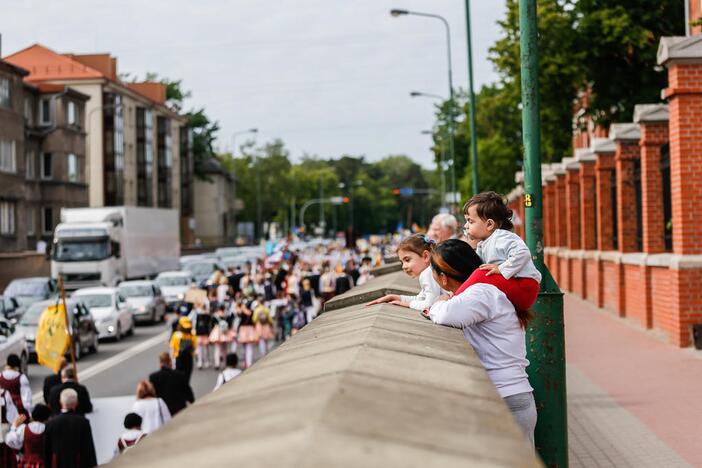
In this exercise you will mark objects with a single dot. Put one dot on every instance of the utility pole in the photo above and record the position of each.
(321, 206)
(473, 137)
(545, 337)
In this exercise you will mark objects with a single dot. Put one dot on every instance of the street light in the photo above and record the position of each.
(473, 138)
(258, 180)
(242, 132)
(397, 12)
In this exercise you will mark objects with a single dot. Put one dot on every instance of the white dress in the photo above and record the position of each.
(154, 413)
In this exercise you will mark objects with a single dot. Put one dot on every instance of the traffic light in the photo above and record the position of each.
(345, 199)
(396, 192)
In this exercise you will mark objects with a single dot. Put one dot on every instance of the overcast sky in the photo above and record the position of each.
(328, 77)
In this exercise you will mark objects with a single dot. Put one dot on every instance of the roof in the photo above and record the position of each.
(44, 64)
(8, 66)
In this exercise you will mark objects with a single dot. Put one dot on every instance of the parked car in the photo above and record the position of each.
(189, 258)
(233, 262)
(174, 285)
(30, 290)
(13, 341)
(146, 297)
(10, 308)
(113, 316)
(85, 333)
(202, 269)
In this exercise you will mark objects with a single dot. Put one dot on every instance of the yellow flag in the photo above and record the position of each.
(52, 337)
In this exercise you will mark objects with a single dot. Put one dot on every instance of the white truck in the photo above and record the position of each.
(103, 246)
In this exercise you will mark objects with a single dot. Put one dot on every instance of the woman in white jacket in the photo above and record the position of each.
(153, 410)
(490, 323)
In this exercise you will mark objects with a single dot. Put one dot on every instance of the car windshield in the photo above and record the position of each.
(173, 281)
(199, 268)
(27, 288)
(81, 250)
(32, 314)
(135, 291)
(96, 300)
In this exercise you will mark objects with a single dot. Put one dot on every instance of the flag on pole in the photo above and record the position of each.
(53, 337)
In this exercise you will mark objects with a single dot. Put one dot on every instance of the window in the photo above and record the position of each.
(28, 111)
(72, 168)
(47, 220)
(45, 111)
(46, 172)
(30, 221)
(8, 162)
(5, 92)
(30, 164)
(72, 116)
(7, 218)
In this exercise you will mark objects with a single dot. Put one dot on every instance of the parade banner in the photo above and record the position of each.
(52, 338)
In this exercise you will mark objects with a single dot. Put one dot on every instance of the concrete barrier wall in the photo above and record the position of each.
(22, 265)
(390, 283)
(359, 387)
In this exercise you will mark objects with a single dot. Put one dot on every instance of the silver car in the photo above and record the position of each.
(113, 316)
(13, 342)
(146, 298)
(174, 285)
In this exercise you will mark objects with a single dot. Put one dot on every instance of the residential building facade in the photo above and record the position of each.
(215, 207)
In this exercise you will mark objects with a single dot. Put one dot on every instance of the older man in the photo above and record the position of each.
(443, 226)
(68, 439)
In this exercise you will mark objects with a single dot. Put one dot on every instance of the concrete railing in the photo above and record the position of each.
(360, 386)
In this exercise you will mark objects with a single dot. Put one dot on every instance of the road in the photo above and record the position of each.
(112, 375)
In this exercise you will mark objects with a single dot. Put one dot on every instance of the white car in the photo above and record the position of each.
(113, 316)
(13, 342)
(174, 285)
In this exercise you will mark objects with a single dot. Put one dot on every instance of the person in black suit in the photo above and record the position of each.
(171, 385)
(68, 380)
(68, 439)
(53, 380)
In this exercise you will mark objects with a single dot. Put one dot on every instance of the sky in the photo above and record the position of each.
(328, 77)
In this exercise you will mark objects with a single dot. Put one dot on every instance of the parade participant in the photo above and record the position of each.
(152, 409)
(222, 290)
(506, 258)
(203, 321)
(298, 319)
(132, 435)
(171, 385)
(307, 300)
(415, 255)
(264, 326)
(220, 337)
(68, 380)
(8, 413)
(342, 281)
(28, 437)
(182, 345)
(68, 439)
(53, 379)
(490, 323)
(247, 335)
(14, 381)
(229, 372)
(327, 283)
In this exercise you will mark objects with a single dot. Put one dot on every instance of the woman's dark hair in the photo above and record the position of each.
(417, 243)
(490, 205)
(455, 259)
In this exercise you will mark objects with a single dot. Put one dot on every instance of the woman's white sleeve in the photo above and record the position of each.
(461, 311)
(426, 298)
(164, 410)
(15, 437)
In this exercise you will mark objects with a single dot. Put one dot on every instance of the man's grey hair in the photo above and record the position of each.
(69, 398)
(446, 221)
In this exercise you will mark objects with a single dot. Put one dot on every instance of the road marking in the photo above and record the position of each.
(118, 358)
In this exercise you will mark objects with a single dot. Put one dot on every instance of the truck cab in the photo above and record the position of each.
(88, 254)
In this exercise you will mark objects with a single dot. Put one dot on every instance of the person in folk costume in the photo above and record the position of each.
(222, 291)
(298, 319)
(247, 334)
(28, 437)
(68, 438)
(220, 336)
(14, 381)
(203, 322)
(182, 346)
(132, 435)
(327, 283)
(8, 412)
(307, 298)
(264, 326)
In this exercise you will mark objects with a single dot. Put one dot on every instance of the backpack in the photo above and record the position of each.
(185, 345)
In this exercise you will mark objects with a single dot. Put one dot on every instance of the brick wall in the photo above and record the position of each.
(653, 136)
(625, 158)
(661, 311)
(592, 281)
(612, 294)
(577, 280)
(572, 189)
(603, 189)
(588, 218)
(637, 293)
(561, 213)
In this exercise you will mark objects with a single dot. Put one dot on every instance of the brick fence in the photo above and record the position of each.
(620, 216)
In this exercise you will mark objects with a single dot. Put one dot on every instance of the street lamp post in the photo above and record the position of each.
(258, 181)
(396, 13)
(471, 106)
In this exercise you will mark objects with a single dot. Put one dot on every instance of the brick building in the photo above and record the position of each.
(621, 224)
(138, 149)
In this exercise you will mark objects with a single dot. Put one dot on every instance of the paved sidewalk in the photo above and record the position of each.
(632, 399)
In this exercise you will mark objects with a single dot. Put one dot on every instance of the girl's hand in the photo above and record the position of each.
(399, 303)
(384, 299)
(19, 420)
(491, 269)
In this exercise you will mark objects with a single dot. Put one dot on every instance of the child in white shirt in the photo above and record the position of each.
(415, 255)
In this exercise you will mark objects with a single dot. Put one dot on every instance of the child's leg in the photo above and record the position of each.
(248, 354)
(262, 347)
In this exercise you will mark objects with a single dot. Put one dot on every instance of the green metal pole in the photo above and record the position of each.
(545, 337)
(473, 137)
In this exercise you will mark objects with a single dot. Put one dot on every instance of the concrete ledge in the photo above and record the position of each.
(659, 260)
(391, 259)
(553, 250)
(611, 256)
(591, 254)
(385, 269)
(391, 283)
(685, 262)
(638, 258)
(358, 387)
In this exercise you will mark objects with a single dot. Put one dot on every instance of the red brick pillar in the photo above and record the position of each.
(588, 218)
(604, 165)
(561, 213)
(683, 58)
(626, 139)
(653, 120)
(572, 183)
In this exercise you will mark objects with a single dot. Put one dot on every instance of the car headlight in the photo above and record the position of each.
(142, 308)
(30, 337)
(180, 296)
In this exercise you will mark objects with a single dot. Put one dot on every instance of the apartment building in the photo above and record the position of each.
(138, 149)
